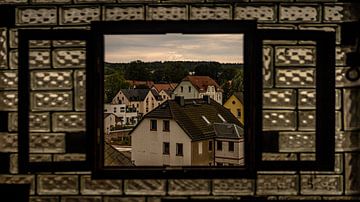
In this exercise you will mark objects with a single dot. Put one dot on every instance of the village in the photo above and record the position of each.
(174, 124)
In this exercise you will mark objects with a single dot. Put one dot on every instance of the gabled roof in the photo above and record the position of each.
(113, 157)
(156, 95)
(189, 116)
(108, 114)
(136, 83)
(201, 83)
(164, 86)
(228, 130)
(135, 94)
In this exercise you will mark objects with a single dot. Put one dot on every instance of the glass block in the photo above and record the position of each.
(50, 79)
(68, 121)
(210, 13)
(260, 13)
(351, 108)
(79, 15)
(279, 99)
(338, 121)
(95, 1)
(40, 158)
(100, 187)
(167, 13)
(51, 1)
(298, 198)
(307, 120)
(338, 98)
(307, 98)
(14, 167)
(80, 90)
(352, 173)
(3, 49)
(340, 55)
(19, 179)
(297, 142)
(51, 101)
(347, 141)
(276, 26)
(280, 42)
(336, 13)
(189, 187)
(321, 184)
(144, 187)
(39, 43)
(295, 77)
(81, 199)
(68, 43)
(13, 1)
(39, 58)
(70, 157)
(123, 199)
(124, 13)
(36, 16)
(299, 13)
(278, 156)
(69, 58)
(267, 66)
(57, 184)
(277, 185)
(13, 41)
(338, 164)
(233, 187)
(38, 122)
(342, 81)
(295, 55)
(8, 80)
(323, 27)
(8, 100)
(13, 59)
(8, 142)
(47, 143)
(279, 120)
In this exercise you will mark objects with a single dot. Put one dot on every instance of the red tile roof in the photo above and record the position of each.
(202, 82)
(164, 86)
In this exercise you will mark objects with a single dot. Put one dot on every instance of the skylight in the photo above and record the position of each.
(205, 119)
(222, 118)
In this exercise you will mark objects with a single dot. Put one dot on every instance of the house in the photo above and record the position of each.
(235, 104)
(109, 122)
(192, 87)
(165, 90)
(229, 144)
(124, 115)
(181, 132)
(143, 100)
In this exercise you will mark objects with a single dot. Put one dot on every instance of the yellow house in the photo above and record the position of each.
(236, 106)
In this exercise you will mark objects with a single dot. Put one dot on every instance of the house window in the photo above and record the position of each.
(210, 145)
(153, 124)
(219, 164)
(189, 89)
(166, 125)
(200, 147)
(114, 109)
(166, 148)
(219, 145)
(238, 112)
(231, 146)
(181, 89)
(179, 149)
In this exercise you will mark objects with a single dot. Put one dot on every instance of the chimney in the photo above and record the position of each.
(180, 100)
(206, 98)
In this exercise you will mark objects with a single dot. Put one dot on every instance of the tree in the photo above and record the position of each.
(112, 84)
(137, 70)
(210, 69)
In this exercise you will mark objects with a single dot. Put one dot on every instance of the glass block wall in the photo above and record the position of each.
(58, 95)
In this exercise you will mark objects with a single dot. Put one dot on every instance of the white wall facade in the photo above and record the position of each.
(225, 156)
(147, 146)
(193, 93)
(108, 122)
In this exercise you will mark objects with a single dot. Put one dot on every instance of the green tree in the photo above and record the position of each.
(211, 69)
(137, 70)
(112, 84)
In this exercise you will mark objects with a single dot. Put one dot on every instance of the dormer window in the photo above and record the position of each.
(222, 118)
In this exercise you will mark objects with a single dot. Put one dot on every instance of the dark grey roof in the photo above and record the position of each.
(228, 130)
(189, 116)
(113, 157)
(156, 95)
(135, 94)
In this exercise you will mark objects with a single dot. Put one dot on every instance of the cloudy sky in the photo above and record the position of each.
(223, 48)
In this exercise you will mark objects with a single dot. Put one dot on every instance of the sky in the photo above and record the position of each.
(223, 48)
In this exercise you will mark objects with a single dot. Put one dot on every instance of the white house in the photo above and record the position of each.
(179, 132)
(192, 87)
(125, 115)
(109, 122)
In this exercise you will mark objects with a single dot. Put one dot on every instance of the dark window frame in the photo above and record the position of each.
(219, 145)
(179, 152)
(166, 125)
(153, 124)
(251, 52)
(166, 144)
(232, 146)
